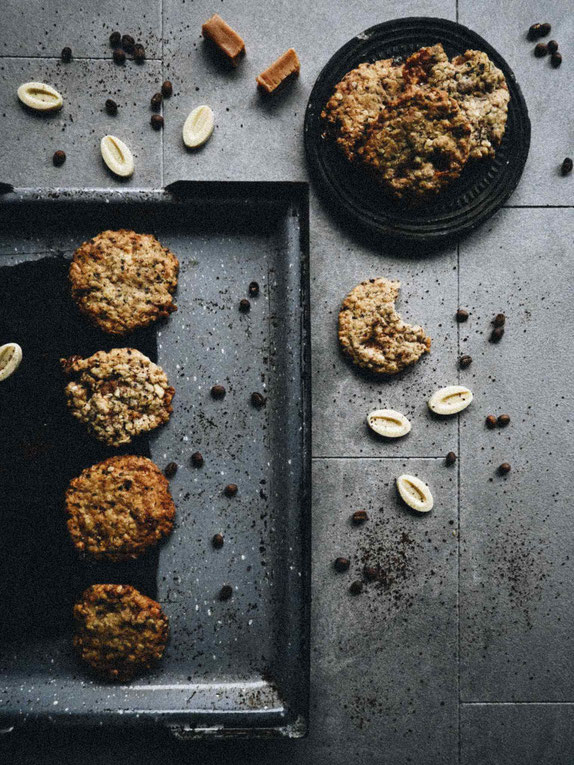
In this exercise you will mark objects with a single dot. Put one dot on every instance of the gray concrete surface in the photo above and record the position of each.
(465, 656)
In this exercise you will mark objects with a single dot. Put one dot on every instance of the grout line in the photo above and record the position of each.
(514, 703)
(456, 11)
(383, 457)
(458, 513)
(74, 58)
(161, 163)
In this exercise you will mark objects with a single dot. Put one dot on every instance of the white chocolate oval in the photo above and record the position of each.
(198, 127)
(388, 423)
(450, 400)
(117, 156)
(41, 97)
(10, 358)
(415, 493)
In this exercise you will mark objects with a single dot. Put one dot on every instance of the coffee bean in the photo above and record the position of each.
(370, 573)
(217, 541)
(59, 158)
(450, 459)
(566, 166)
(552, 46)
(504, 468)
(503, 420)
(540, 50)
(254, 289)
(244, 305)
(218, 391)
(156, 121)
(111, 106)
(499, 320)
(545, 29)
(465, 361)
(170, 470)
(225, 592)
(359, 516)
(461, 315)
(556, 59)
(155, 102)
(139, 54)
(197, 459)
(230, 490)
(490, 421)
(341, 565)
(258, 400)
(119, 56)
(128, 43)
(167, 89)
(115, 39)
(66, 55)
(496, 334)
(534, 32)
(356, 587)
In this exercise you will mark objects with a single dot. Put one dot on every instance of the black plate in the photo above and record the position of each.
(482, 188)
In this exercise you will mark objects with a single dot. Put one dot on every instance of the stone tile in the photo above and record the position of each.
(517, 567)
(342, 394)
(255, 138)
(30, 138)
(544, 88)
(43, 28)
(517, 734)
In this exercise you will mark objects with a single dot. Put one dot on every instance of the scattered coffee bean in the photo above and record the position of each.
(490, 421)
(552, 46)
(359, 516)
(244, 305)
(496, 334)
(465, 361)
(533, 32)
(556, 59)
(503, 420)
(111, 106)
(499, 320)
(258, 400)
(167, 89)
(225, 592)
(139, 54)
(119, 56)
(545, 29)
(197, 459)
(217, 541)
(370, 573)
(566, 166)
(59, 158)
(461, 315)
(450, 459)
(230, 490)
(218, 391)
(356, 587)
(66, 55)
(504, 468)
(170, 469)
(128, 43)
(115, 39)
(155, 102)
(156, 121)
(341, 565)
(540, 50)
(254, 289)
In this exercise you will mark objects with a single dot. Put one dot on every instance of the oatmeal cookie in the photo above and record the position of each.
(371, 332)
(119, 508)
(123, 281)
(419, 66)
(119, 631)
(357, 101)
(118, 394)
(418, 144)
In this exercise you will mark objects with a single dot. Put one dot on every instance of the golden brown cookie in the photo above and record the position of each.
(418, 144)
(119, 631)
(371, 332)
(357, 101)
(119, 508)
(118, 394)
(123, 281)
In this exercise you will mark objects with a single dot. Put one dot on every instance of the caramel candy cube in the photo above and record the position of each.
(275, 75)
(224, 38)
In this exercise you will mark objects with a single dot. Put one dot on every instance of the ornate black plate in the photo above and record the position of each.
(482, 188)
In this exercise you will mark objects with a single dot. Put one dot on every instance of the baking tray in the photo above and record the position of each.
(239, 667)
(483, 186)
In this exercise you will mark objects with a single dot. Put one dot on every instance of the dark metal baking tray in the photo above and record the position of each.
(483, 186)
(231, 668)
